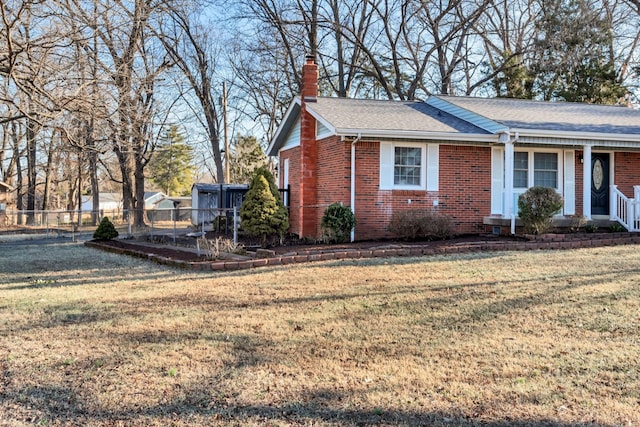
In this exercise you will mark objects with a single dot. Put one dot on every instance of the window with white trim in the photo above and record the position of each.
(407, 166)
(520, 169)
(545, 170)
(535, 169)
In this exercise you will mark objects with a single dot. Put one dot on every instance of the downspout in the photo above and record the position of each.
(353, 181)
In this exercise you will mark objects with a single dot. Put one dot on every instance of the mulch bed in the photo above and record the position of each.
(188, 255)
(292, 253)
(126, 246)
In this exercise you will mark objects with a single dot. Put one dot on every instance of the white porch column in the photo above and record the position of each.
(586, 182)
(508, 179)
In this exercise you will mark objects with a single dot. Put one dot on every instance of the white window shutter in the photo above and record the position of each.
(386, 165)
(497, 180)
(433, 167)
(569, 190)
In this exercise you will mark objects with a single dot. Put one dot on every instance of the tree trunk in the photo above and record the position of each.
(139, 195)
(31, 171)
(93, 176)
(19, 205)
(47, 174)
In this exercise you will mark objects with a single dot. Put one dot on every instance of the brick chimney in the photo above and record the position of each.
(308, 152)
(309, 80)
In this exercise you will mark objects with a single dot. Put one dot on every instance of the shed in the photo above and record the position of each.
(209, 201)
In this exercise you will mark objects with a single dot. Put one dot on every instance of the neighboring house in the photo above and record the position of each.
(168, 202)
(170, 208)
(5, 190)
(108, 202)
(152, 198)
(469, 158)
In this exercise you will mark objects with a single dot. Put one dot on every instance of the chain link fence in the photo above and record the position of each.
(170, 223)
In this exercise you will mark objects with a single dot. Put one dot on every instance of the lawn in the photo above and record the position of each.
(510, 338)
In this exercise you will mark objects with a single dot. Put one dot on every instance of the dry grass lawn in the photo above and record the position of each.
(539, 338)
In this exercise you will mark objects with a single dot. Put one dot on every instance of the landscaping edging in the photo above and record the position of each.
(542, 242)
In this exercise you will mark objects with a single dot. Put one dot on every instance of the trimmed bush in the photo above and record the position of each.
(421, 224)
(337, 222)
(262, 213)
(536, 207)
(106, 230)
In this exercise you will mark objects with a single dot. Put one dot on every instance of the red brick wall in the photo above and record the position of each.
(464, 187)
(334, 175)
(627, 172)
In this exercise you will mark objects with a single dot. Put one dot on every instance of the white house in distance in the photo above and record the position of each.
(108, 202)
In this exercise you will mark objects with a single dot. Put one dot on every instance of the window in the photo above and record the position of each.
(520, 169)
(535, 169)
(407, 167)
(545, 170)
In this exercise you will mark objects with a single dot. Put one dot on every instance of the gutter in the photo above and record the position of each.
(421, 135)
(353, 181)
(578, 135)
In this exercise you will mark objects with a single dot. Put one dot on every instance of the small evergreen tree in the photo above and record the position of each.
(106, 230)
(262, 213)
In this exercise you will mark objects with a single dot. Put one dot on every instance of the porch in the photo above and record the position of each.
(623, 210)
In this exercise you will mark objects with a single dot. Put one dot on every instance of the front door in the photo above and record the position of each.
(600, 184)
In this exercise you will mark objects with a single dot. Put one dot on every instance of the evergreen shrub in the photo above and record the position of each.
(106, 230)
(337, 222)
(263, 213)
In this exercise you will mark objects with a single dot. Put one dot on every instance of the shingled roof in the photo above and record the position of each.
(551, 116)
(465, 119)
(362, 115)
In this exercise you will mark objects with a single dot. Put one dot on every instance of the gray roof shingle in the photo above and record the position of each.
(363, 114)
(552, 116)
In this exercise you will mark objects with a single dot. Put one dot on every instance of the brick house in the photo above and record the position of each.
(469, 158)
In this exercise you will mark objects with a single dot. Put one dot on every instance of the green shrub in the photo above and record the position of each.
(421, 224)
(591, 228)
(106, 230)
(536, 207)
(262, 213)
(616, 227)
(337, 222)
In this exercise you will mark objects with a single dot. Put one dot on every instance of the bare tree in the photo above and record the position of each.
(133, 67)
(191, 48)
